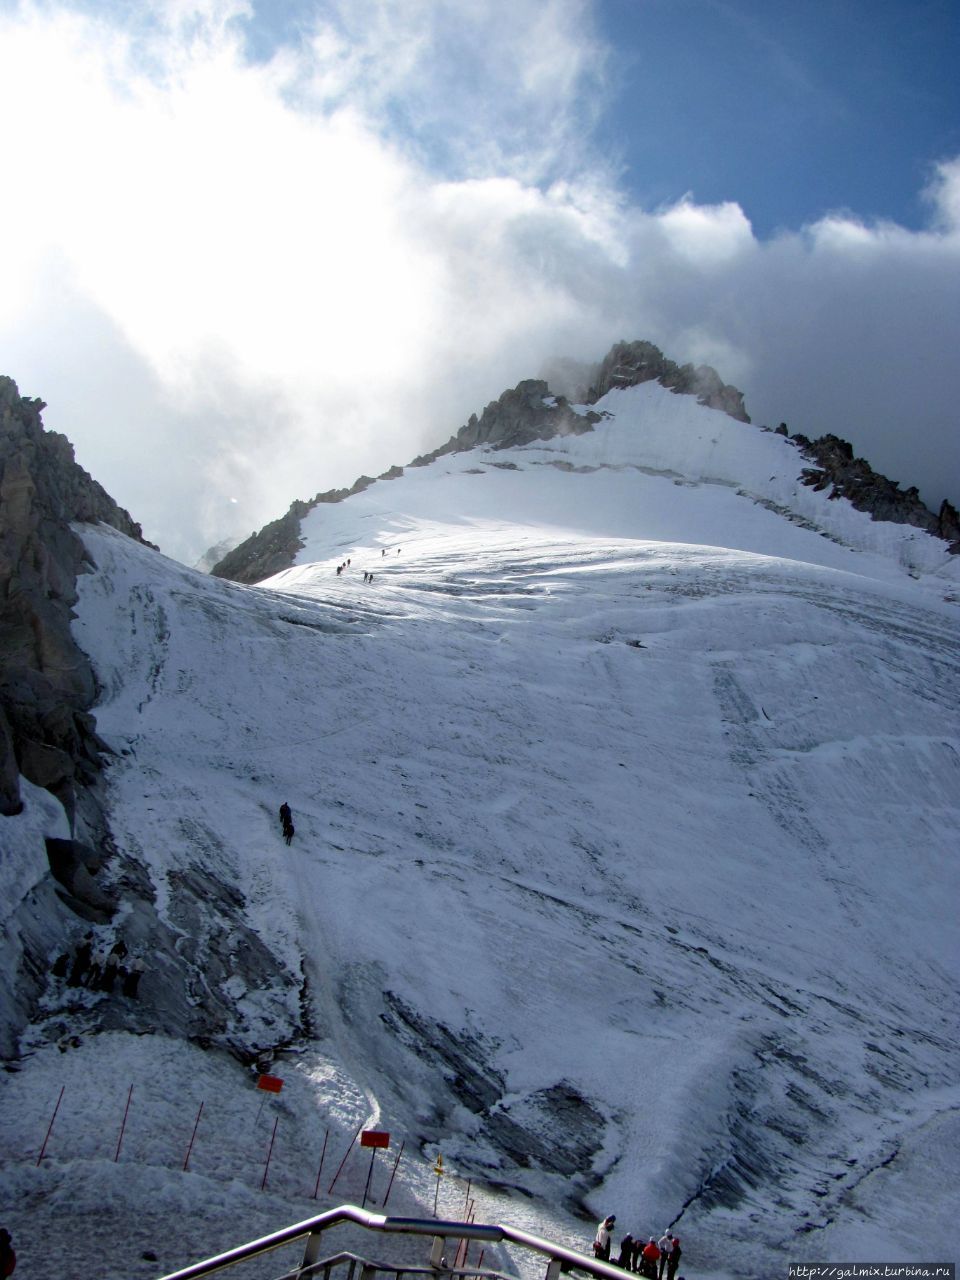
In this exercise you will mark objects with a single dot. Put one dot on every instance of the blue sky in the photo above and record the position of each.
(257, 250)
(793, 110)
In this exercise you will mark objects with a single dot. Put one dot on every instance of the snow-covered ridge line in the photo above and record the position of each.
(648, 426)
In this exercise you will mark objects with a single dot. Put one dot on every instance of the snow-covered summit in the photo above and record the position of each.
(653, 465)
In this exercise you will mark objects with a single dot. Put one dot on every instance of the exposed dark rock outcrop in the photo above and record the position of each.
(629, 363)
(854, 479)
(526, 413)
(46, 683)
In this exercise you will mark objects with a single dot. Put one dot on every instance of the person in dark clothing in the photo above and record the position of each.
(8, 1257)
(638, 1243)
(111, 970)
(131, 978)
(81, 961)
(286, 821)
(674, 1260)
(94, 973)
(626, 1252)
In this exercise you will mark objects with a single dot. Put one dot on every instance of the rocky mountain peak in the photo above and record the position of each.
(627, 364)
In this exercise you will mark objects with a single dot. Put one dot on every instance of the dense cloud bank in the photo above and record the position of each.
(245, 265)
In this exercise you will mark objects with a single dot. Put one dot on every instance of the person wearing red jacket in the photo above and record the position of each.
(649, 1259)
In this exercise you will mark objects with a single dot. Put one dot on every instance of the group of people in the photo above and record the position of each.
(367, 577)
(98, 969)
(649, 1257)
(286, 822)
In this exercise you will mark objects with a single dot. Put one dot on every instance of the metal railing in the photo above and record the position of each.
(558, 1257)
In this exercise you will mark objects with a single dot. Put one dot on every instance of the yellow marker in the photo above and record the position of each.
(438, 1167)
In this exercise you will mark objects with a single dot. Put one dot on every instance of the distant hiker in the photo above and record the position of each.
(95, 972)
(649, 1259)
(601, 1245)
(289, 831)
(665, 1245)
(8, 1257)
(131, 977)
(398, 550)
(626, 1252)
(348, 562)
(111, 970)
(370, 579)
(384, 551)
(674, 1261)
(286, 816)
(81, 961)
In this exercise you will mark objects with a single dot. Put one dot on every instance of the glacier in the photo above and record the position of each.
(624, 877)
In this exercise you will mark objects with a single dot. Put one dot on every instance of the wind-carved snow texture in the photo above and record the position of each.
(624, 870)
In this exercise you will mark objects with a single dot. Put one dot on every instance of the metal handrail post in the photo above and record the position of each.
(311, 1253)
(437, 1251)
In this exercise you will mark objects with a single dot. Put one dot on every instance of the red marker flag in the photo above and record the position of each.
(374, 1138)
(272, 1084)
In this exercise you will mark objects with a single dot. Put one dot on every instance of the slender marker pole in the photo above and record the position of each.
(50, 1125)
(344, 1160)
(394, 1174)
(269, 1153)
(192, 1136)
(373, 1155)
(126, 1112)
(326, 1135)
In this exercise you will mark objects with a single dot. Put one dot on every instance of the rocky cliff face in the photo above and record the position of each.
(46, 684)
(49, 736)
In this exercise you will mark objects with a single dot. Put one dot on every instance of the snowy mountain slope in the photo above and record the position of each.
(625, 864)
(613, 488)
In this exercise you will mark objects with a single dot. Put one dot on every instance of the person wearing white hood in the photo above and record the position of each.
(601, 1246)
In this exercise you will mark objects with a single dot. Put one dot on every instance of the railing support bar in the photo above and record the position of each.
(553, 1269)
(436, 1253)
(311, 1253)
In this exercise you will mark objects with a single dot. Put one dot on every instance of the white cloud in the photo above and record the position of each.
(238, 282)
